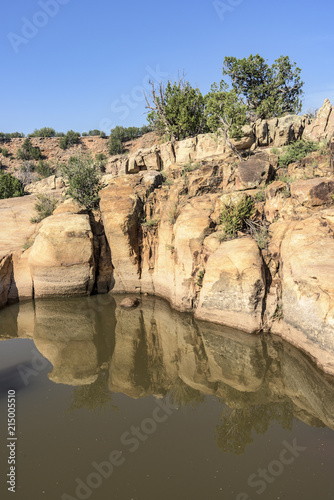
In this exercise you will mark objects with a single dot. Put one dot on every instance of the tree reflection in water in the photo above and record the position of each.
(237, 425)
(184, 395)
(96, 397)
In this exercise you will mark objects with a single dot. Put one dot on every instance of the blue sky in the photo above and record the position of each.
(82, 64)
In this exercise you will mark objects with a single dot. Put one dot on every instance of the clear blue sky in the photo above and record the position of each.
(86, 62)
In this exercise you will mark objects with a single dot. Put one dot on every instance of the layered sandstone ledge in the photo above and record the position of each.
(159, 234)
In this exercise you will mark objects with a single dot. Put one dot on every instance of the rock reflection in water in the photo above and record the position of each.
(153, 350)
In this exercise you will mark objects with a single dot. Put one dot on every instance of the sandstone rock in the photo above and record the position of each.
(15, 226)
(247, 140)
(275, 199)
(129, 302)
(6, 270)
(288, 129)
(61, 260)
(323, 126)
(117, 165)
(185, 150)
(167, 154)
(313, 192)
(171, 262)
(68, 206)
(132, 167)
(307, 253)
(209, 145)
(152, 160)
(233, 286)
(253, 172)
(261, 132)
(21, 286)
(120, 209)
(45, 185)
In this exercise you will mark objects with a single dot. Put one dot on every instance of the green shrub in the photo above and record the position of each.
(101, 161)
(296, 152)
(150, 223)
(118, 135)
(260, 195)
(233, 216)
(10, 186)
(84, 179)
(102, 134)
(43, 169)
(323, 148)
(69, 139)
(4, 152)
(5, 137)
(170, 248)
(173, 214)
(200, 276)
(177, 110)
(43, 132)
(115, 146)
(190, 167)
(44, 206)
(28, 243)
(28, 152)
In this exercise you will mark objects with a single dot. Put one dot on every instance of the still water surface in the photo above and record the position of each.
(147, 404)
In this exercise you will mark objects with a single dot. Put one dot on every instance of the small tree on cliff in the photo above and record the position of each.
(28, 152)
(84, 178)
(225, 113)
(176, 110)
(267, 91)
(69, 139)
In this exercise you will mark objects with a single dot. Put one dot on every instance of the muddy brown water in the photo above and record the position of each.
(148, 404)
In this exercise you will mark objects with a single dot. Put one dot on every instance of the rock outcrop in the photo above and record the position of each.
(307, 256)
(159, 233)
(233, 286)
(322, 128)
(61, 260)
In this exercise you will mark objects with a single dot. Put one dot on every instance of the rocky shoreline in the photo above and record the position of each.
(157, 232)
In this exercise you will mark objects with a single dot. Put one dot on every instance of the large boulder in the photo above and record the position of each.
(323, 126)
(62, 257)
(234, 286)
(48, 184)
(254, 172)
(313, 192)
(289, 128)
